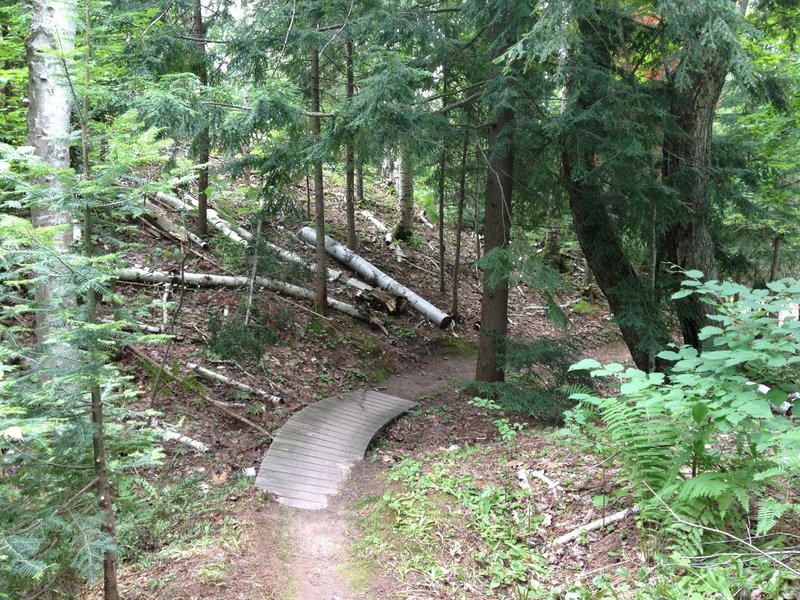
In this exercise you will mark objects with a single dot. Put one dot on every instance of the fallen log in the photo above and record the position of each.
(387, 235)
(179, 232)
(150, 276)
(222, 407)
(170, 435)
(232, 382)
(593, 525)
(216, 221)
(238, 234)
(374, 275)
(421, 216)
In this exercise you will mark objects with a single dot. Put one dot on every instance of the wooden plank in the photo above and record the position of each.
(303, 504)
(286, 456)
(334, 421)
(312, 453)
(298, 471)
(372, 398)
(288, 485)
(340, 412)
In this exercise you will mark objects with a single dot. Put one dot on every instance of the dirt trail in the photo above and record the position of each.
(318, 540)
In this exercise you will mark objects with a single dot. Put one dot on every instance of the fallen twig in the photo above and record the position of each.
(594, 525)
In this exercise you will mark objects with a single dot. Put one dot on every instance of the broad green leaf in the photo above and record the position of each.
(585, 365)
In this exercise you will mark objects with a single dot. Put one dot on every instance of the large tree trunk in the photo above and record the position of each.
(497, 219)
(320, 281)
(687, 158)
(49, 107)
(350, 192)
(631, 302)
(202, 142)
(405, 226)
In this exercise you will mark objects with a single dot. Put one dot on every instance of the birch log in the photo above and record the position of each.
(216, 221)
(151, 276)
(227, 380)
(594, 525)
(238, 234)
(374, 275)
(179, 232)
(387, 235)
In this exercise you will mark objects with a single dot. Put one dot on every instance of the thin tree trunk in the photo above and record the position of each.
(360, 183)
(497, 220)
(405, 227)
(352, 241)
(462, 192)
(104, 494)
(320, 281)
(49, 108)
(775, 267)
(441, 186)
(475, 201)
(202, 142)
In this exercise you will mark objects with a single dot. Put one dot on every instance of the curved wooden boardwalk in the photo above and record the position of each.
(314, 451)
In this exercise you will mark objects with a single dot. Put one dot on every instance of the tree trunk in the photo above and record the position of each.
(775, 267)
(441, 189)
(497, 220)
(462, 193)
(631, 302)
(49, 108)
(320, 281)
(405, 227)
(352, 241)
(104, 492)
(360, 183)
(687, 159)
(202, 142)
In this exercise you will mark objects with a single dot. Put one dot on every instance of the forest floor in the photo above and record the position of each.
(202, 530)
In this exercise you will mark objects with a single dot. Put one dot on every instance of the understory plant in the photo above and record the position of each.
(706, 448)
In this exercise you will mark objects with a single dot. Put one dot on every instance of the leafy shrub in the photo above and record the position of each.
(700, 446)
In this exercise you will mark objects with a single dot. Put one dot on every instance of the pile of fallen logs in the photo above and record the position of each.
(377, 289)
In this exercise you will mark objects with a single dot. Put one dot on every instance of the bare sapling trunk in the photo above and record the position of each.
(405, 226)
(52, 32)
(462, 192)
(350, 209)
(360, 183)
(775, 267)
(320, 280)
(104, 494)
(441, 190)
(202, 142)
(442, 166)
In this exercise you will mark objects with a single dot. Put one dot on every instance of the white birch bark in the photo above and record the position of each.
(52, 34)
(377, 277)
(150, 276)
